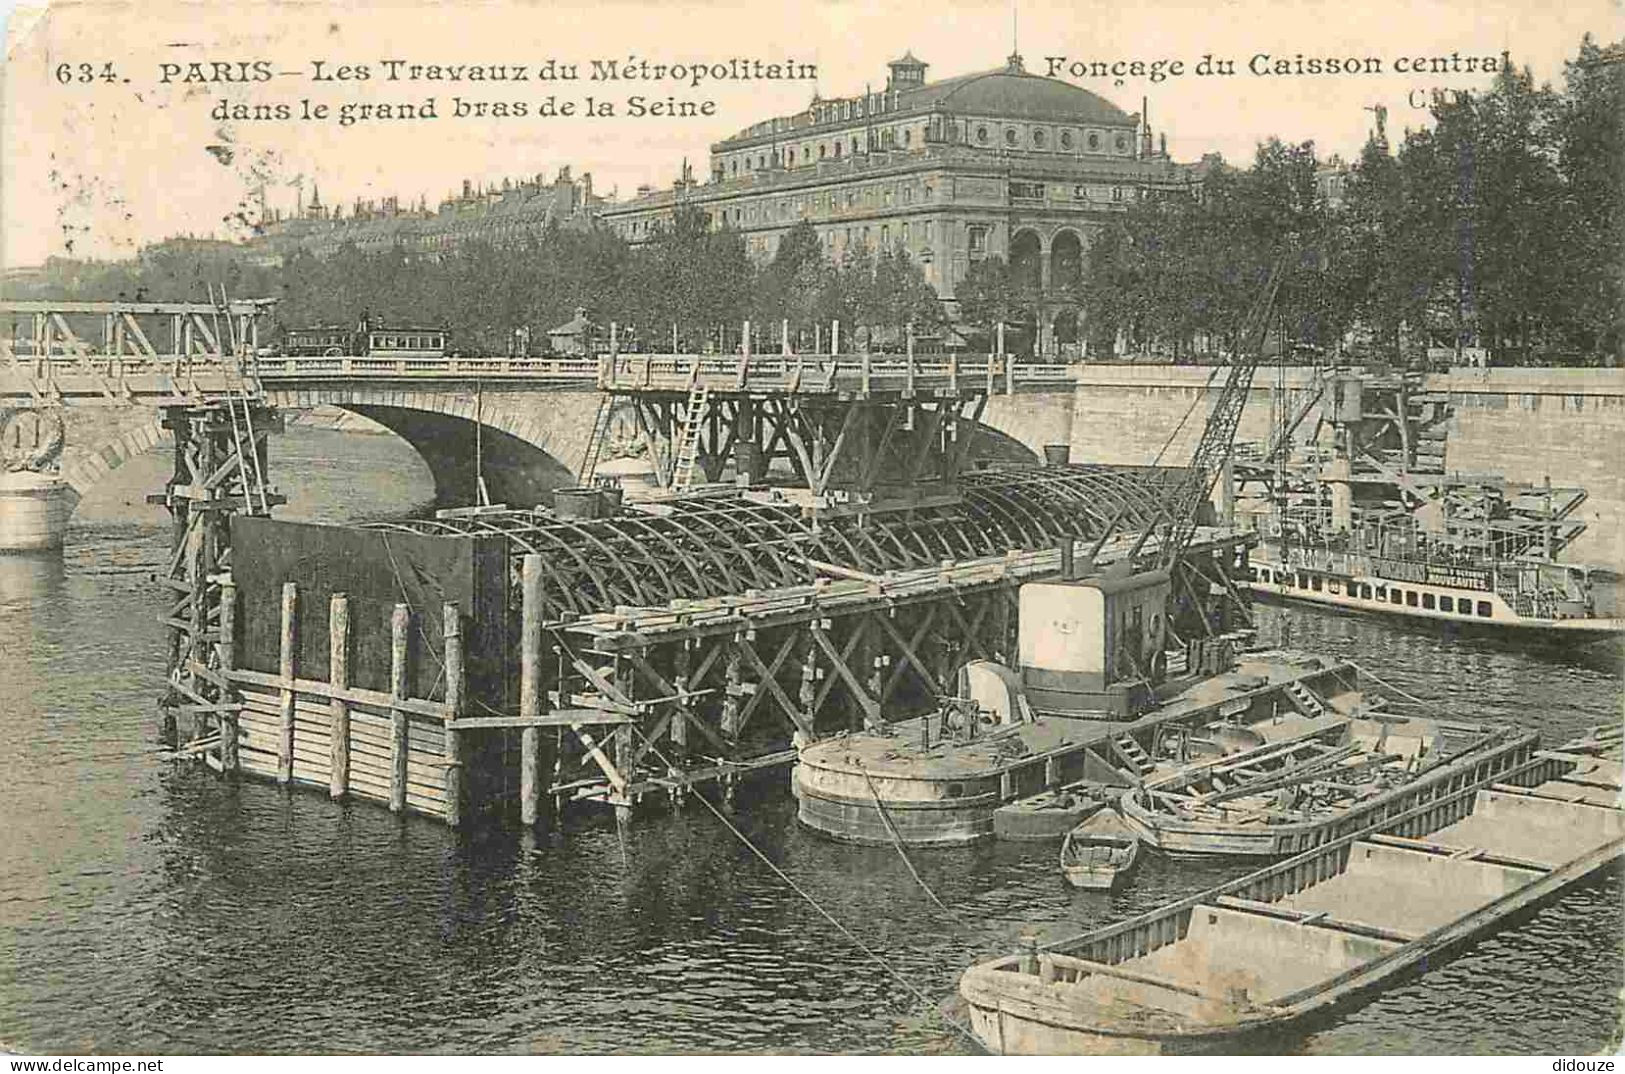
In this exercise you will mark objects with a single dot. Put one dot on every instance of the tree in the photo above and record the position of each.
(987, 295)
(1591, 161)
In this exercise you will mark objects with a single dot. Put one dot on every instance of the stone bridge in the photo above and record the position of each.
(531, 425)
(527, 421)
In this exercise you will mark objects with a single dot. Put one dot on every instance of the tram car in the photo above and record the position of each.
(378, 341)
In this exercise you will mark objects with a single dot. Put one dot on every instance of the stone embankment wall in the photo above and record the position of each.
(1525, 424)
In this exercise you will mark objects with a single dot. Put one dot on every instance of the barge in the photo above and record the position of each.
(1342, 776)
(1314, 933)
(1060, 726)
(941, 778)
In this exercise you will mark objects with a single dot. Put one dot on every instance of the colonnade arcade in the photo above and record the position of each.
(1049, 268)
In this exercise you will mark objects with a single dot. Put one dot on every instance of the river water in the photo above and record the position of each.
(151, 908)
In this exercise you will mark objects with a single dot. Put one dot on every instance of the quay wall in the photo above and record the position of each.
(1525, 424)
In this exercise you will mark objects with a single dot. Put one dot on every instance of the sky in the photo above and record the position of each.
(105, 155)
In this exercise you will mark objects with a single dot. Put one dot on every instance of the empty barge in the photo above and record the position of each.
(1312, 933)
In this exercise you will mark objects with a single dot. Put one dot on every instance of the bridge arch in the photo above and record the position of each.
(83, 470)
(527, 442)
(531, 442)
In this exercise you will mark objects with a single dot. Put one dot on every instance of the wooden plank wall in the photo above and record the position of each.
(405, 752)
(371, 763)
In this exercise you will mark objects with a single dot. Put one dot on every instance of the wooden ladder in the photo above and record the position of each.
(1306, 701)
(595, 442)
(247, 447)
(688, 440)
(1132, 753)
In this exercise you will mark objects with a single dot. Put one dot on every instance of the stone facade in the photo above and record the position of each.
(1000, 163)
(498, 214)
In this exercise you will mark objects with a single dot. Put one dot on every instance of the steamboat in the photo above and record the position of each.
(1262, 753)
(1363, 517)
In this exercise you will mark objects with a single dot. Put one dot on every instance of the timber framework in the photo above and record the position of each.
(823, 555)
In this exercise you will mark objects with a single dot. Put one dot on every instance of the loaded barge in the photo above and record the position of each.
(1314, 933)
(1268, 754)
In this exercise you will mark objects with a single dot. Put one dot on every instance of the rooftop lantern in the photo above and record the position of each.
(907, 71)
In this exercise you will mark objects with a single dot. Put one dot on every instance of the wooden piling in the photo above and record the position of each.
(286, 669)
(452, 631)
(227, 648)
(399, 625)
(733, 688)
(625, 681)
(807, 697)
(530, 688)
(681, 661)
(338, 675)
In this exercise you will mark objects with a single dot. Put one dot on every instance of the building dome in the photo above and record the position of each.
(1018, 95)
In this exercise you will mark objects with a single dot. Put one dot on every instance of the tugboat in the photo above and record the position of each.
(1077, 711)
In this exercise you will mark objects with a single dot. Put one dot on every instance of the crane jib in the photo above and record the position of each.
(1219, 435)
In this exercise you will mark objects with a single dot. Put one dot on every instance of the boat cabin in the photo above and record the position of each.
(1093, 646)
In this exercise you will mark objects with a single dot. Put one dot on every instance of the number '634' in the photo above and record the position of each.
(70, 73)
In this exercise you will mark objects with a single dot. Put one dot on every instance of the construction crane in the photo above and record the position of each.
(1218, 437)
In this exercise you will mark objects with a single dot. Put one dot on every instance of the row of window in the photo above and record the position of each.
(785, 209)
(1409, 598)
(1038, 138)
(411, 343)
(807, 153)
(903, 137)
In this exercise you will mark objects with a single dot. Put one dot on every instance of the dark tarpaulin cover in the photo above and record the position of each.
(377, 569)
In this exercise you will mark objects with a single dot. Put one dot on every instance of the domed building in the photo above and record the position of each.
(1001, 163)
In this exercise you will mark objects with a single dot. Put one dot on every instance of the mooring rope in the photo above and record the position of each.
(873, 955)
(897, 841)
(1385, 683)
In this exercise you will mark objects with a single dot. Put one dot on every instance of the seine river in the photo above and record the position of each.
(149, 908)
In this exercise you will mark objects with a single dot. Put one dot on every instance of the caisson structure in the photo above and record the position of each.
(495, 659)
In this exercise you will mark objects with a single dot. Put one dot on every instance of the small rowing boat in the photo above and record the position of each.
(1099, 853)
